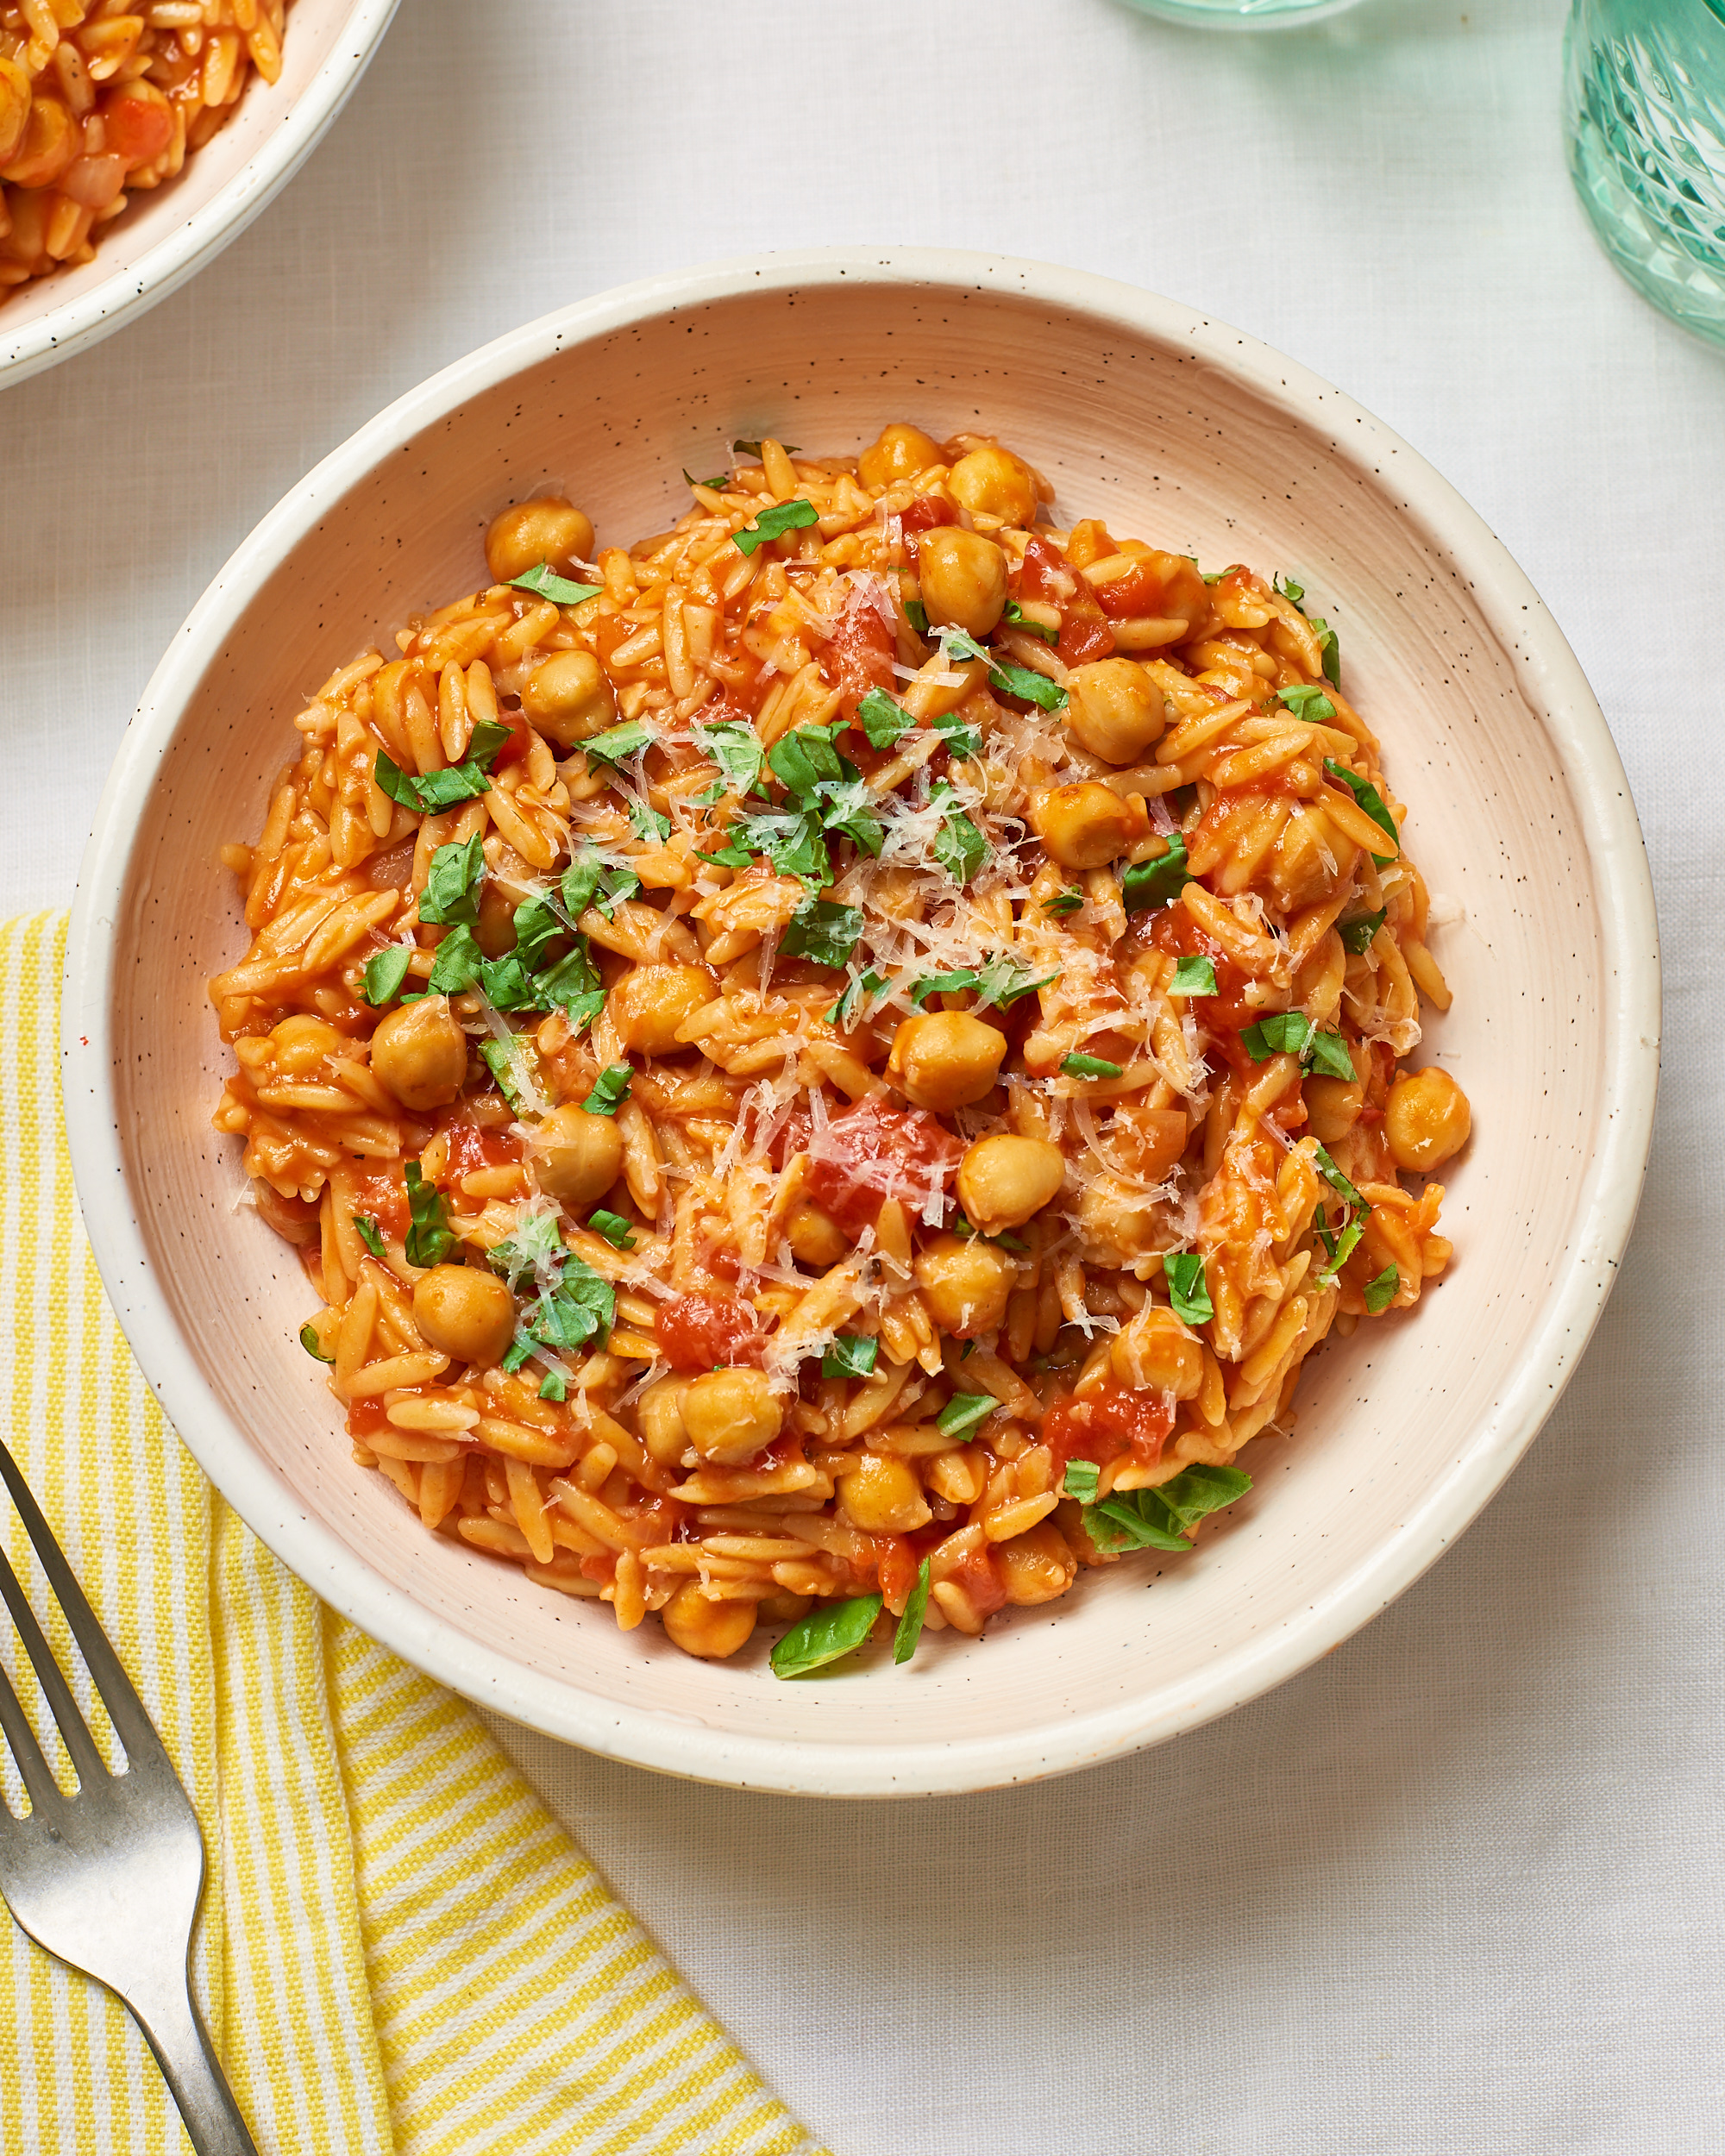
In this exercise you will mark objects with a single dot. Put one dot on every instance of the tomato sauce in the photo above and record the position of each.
(471, 1148)
(514, 750)
(1174, 930)
(1084, 631)
(1167, 585)
(706, 1333)
(979, 1576)
(1110, 1420)
(873, 1153)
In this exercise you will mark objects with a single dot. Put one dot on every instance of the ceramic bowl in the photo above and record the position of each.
(168, 234)
(1174, 428)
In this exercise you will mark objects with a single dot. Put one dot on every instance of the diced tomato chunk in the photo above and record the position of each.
(1174, 930)
(471, 1147)
(514, 750)
(706, 1333)
(137, 123)
(1110, 1420)
(874, 1153)
(925, 513)
(859, 653)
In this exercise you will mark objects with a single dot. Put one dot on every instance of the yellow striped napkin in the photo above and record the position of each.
(400, 1953)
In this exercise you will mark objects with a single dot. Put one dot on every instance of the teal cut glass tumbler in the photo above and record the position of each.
(1242, 14)
(1644, 122)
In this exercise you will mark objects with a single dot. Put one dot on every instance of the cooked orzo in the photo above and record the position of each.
(843, 1055)
(100, 99)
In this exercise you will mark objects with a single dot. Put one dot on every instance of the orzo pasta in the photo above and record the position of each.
(100, 99)
(845, 1054)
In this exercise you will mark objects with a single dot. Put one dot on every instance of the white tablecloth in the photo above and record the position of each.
(1459, 1888)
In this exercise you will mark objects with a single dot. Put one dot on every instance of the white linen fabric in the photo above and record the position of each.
(1461, 1887)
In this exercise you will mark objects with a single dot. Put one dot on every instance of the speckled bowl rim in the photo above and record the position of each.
(550, 1701)
(135, 286)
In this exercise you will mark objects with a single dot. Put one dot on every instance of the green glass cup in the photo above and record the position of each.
(1644, 125)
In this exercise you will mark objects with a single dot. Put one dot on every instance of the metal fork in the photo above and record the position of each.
(109, 1879)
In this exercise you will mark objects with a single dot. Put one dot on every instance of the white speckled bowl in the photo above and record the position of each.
(1172, 427)
(168, 234)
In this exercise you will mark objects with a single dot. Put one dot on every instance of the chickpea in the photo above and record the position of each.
(550, 528)
(1002, 1181)
(1334, 1106)
(577, 1157)
(15, 107)
(465, 1313)
(303, 1045)
(650, 1002)
(965, 1285)
(420, 1054)
(1114, 709)
(945, 1059)
(1037, 1566)
(782, 1608)
(707, 1629)
(899, 452)
(1426, 1119)
(1084, 827)
(730, 1415)
(883, 1496)
(963, 577)
(993, 483)
(815, 1235)
(567, 697)
(1156, 1354)
(659, 1418)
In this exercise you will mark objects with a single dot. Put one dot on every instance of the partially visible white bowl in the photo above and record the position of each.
(1172, 427)
(168, 234)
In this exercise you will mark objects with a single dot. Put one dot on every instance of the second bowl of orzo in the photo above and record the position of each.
(856, 900)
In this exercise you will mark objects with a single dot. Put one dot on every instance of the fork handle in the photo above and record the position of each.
(175, 2032)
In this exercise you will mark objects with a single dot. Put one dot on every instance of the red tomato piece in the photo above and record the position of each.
(979, 1576)
(514, 750)
(137, 123)
(706, 1333)
(1175, 931)
(925, 512)
(874, 1153)
(859, 653)
(1109, 1420)
(471, 1148)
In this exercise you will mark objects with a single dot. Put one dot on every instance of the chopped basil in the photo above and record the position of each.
(1188, 1291)
(717, 481)
(308, 1340)
(916, 1608)
(959, 847)
(1379, 1293)
(553, 1386)
(804, 759)
(1015, 618)
(535, 1244)
(1331, 649)
(1338, 1182)
(611, 1090)
(827, 1633)
(1195, 977)
(1337, 1248)
(1148, 885)
(573, 987)
(963, 1229)
(451, 895)
(917, 615)
(783, 517)
(1287, 588)
(961, 740)
(753, 449)
(613, 1227)
(1090, 1066)
(456, 966)
(648, 825)
(1153, 1518)
(1357, 935)
(963, 1412)
(385, 970)
(1028, 685)
(1068, 899)
(581, 1307)
(1370, 801)
(370, 1235)
(1292, 1033)
(847, 1009)
(508, 1061)
(589, 880)
(1307, 702)
(850, 1355)
(883, 719)
(791, 841)
(617, 743)
(1079, 1481)
(429, 1240)
(433, 790)
(824, 931)
(545, 583)
(735, 748)
(998, 980)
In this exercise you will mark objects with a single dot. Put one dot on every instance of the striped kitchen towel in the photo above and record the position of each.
(400, 1951)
